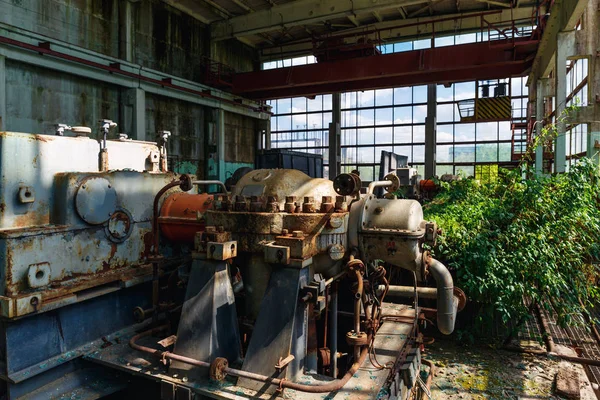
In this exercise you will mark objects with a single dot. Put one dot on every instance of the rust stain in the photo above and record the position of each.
(148, 242)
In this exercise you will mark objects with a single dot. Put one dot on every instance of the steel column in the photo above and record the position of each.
(335, 145)
(134, 114)
(431, 131)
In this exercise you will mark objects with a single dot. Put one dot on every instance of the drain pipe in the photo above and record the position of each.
(447, 303)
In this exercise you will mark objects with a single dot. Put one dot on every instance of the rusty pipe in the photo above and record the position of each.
(324, 388)
(357, 300)
(429, 379)
(447, 303)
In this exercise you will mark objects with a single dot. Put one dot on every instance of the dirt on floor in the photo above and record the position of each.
(483, 372)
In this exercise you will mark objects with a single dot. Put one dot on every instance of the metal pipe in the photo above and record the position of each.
(375, 184)
(447, 304)
(429, 379)
(409, 291)
(333, 331)
(357, 300)
(335, 277)
(211, 182)
(282, 383)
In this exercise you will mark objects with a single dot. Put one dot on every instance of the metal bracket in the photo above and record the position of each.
(275, 254)
(283, 362)
(26, 194)
(221, 251)
(168, 341)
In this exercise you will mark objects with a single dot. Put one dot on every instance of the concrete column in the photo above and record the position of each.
(3, 93)
(335, 145)
(565, 45)
(539, 119)
(268, 134)
(134, 115)
(125, 31)
(592, 27)
(430, 131)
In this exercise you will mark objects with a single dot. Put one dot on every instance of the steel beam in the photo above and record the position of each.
(498, 59)
(335, 146)
(565, 44)
(564, 15)
(300, 12)
(407, 29)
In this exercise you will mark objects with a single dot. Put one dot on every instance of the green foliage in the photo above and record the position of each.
(517, 238)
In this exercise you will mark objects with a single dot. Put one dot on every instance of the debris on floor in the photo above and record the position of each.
(482, 372)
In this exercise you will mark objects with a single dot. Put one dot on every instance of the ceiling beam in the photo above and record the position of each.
(496, 3)
(190, 8)
(299, 12)
(377, 16)
(427, 7)
(402, 30)
(243, 6)
(472, 61)
(564, 15)
(352, 18)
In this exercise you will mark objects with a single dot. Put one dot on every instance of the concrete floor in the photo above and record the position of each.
(482, 372)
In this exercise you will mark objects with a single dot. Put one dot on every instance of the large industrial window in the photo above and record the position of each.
(394, 120)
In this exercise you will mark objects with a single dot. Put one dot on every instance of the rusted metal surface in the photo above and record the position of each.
(182, 215)
(389, 341)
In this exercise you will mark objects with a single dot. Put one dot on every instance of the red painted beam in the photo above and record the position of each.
(473, 61)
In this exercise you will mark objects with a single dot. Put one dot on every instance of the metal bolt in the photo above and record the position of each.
(290, 199)
(220, 228)
(298, 233)
(326, 199)
(34, 301)
(284, 232)
(309, 199)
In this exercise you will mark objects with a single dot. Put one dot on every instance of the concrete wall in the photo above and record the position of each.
(159, 37)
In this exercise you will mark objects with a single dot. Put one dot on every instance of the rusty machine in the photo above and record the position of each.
(118, 273)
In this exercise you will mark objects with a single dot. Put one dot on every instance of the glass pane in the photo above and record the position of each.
(466, 170)
(348, 137)
(419, 154)
(366, 155)
(366, 98)
(284, 106)
(444, 169)
(402, 134)
(384, 135)
(402, 115)
(403, 95)
(487, 152)
(348, 155)
(487, 131)
(444, 153)
(366, 117)
(366, 174)
(366, 136)
(419, 134)
(464, 132)
(348, 118)
(445, 133)
(420, 94)
(299, 104)
(383, 116)
(445, 112)
(504, 152)
(403, 151)
(384, 97)
(504, 130)
(464, 153)
(316, 104)
(419, 114)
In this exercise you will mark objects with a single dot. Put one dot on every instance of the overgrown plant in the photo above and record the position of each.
(523, 238)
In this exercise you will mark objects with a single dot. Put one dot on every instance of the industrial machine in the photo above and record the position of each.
(115, 269)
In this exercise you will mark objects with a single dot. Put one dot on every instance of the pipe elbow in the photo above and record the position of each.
(447, 303)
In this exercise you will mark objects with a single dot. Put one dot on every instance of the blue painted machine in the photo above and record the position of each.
(114, 279)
